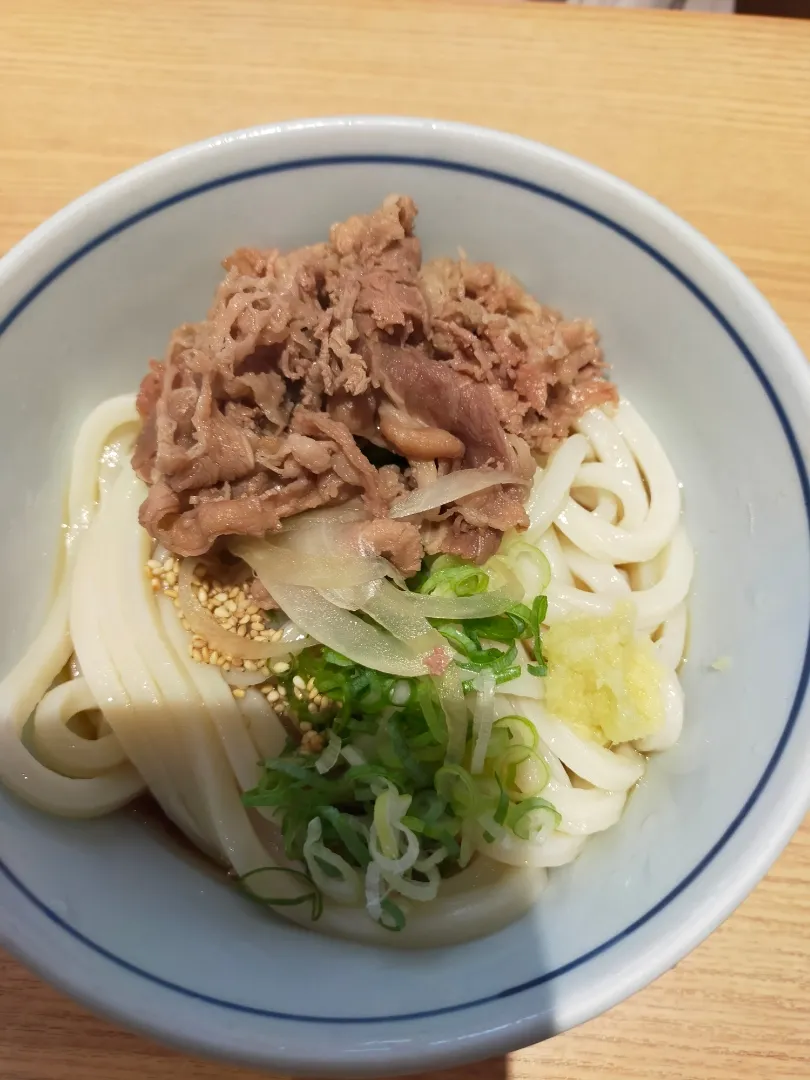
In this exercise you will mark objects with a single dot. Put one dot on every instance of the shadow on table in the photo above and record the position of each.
(496, 1069)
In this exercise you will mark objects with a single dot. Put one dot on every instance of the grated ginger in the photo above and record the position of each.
(603, 679)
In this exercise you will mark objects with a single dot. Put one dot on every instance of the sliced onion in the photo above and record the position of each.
(351, 599)
(326, 515)
(480, 606)
(273, 562)
(483, 719)
(329, 757)
(226, 642)
(386, 608)
(346, 633)
(451, 488)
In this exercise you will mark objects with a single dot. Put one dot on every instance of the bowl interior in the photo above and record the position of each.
(89, 333)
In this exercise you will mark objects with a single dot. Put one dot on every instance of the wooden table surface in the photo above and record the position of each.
(711, 114)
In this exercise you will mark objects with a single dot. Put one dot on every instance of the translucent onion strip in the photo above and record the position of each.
(346, 633)
(276, 562)
(449, 489)
(223, 641)
(480, 606)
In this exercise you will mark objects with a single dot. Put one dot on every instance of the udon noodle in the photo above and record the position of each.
(604, 511)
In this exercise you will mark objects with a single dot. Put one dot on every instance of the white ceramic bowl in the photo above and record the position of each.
(120, 921)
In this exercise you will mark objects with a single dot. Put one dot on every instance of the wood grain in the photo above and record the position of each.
(709, 114)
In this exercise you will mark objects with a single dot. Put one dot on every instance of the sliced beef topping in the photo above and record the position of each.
(348, 369)
(397, 541)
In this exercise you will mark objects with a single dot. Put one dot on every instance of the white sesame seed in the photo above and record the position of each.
(172, 593)
(242, 631)
(197, 655)
(206, 654)
(244, 620)
(237, 692)
(184, 624)
(299, 682)
(226, 666)
(305, 726)
(221, 612)
(273, 695)
(213, 657)
(170, 578)
(230, 605)
(202, 596)
(221, 597)
(153, 564)
(312, 707)
(155, 584)
(252, 610)
(250, 665)
(168, 564)
(299, 696)
(281, 667)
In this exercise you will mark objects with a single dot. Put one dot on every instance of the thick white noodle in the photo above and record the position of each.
(551, 486)
(601, 767)
(26, 684)
(618, 467)
(62, 749)
(670, 732)
(653, 605)
(615, 543)
(173, 725)
(671, 643)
